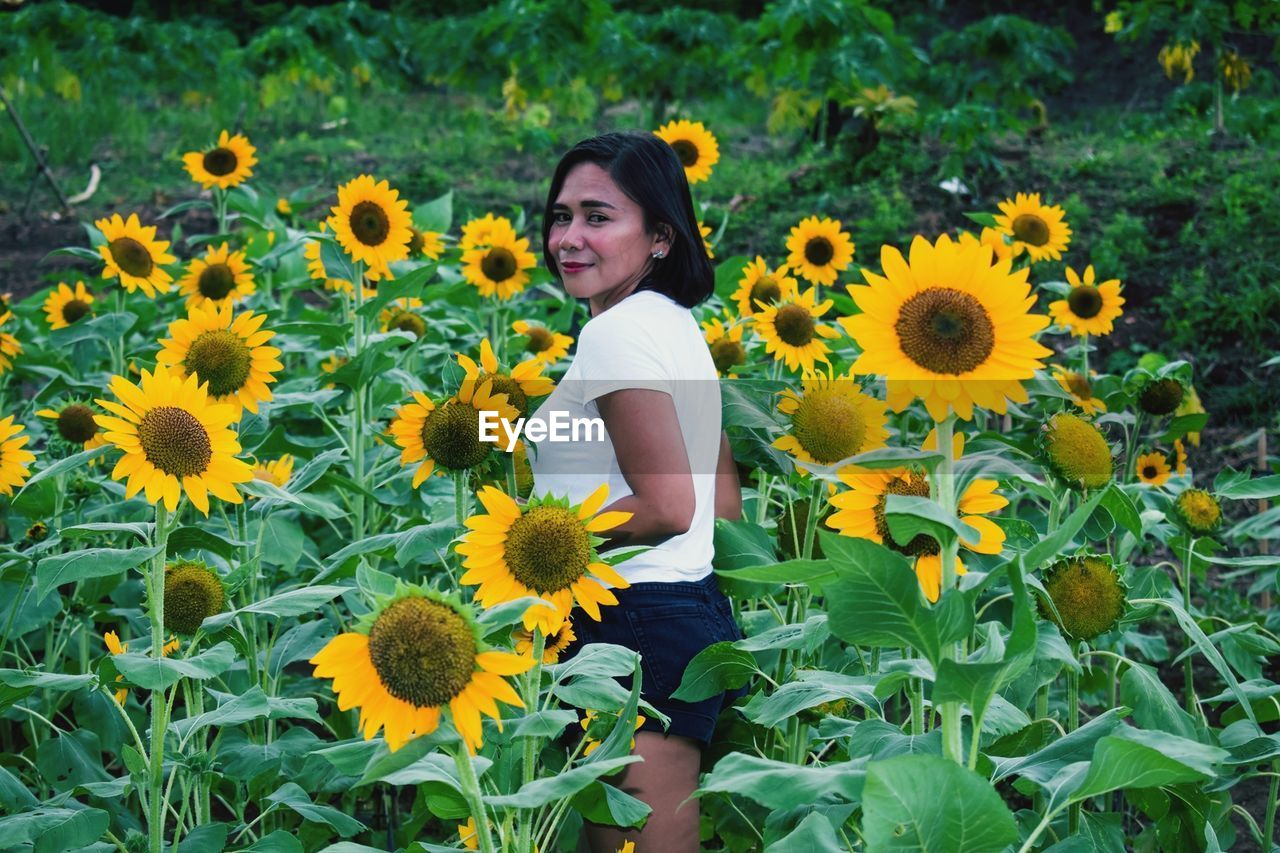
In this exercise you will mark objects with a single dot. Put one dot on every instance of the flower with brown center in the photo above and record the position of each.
(132, 253)
(225, 165)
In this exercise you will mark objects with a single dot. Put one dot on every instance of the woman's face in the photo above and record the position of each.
(598, 238)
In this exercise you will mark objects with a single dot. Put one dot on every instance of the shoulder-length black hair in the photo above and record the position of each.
(648, 171)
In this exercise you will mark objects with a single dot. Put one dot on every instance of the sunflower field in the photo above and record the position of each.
(1000, 395)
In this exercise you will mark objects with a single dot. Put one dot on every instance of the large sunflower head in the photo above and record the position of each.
(1076, 452)
(400, 316)
(521, 384)
(947, 327)
(500, 265)
(553, 645)
(1198, 511)
(415, 654)
(1088, 593)
(1090, 308)
(447, 436)
(1035, 228)
(175, 439)
(66, 305)
(13, 459)
(831, 420)
(371, 223)
(694, 145)
(541, 343)
(818, 250)
(133, 253)
(761, 287)
(1080, 389)
(75, 424)
(791, 331)
(1161, 396)
(228, 353)
(545, 548)
(725, 343)
(192, 593)
(220, 276)
(276, 471)
(1152, 469)
(225, 165)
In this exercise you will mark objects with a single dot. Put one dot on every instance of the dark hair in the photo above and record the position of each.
(648, 171)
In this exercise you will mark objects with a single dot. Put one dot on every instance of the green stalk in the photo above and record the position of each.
(471, 793)
(1084, 350)
(220, 208)
(1192, 704)
(1131, 454)
(358, 404)
(459, 498)
(943, 488)
(155, 609)
(1073, 723)
(1269, 822)
(532, 684)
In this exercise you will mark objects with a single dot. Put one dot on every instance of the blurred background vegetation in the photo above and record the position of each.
(1154, 123)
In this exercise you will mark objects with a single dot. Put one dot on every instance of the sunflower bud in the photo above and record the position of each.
(1088, 593)
(37, 532)
(1076, 451)
(1161, 396)
(192, 593)
(1198, 511)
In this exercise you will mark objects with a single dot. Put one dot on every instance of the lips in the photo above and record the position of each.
(573, 267)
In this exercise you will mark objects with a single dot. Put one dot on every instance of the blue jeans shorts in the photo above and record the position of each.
(668, 624)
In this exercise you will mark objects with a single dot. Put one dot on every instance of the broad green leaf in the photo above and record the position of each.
(407, 286)
(71, 759)
(301, 642)
(14, 796)
(206, 838)
(539, 792)
(105, 327)
(197, 538)
(602, 803)
(789, 636)
(812, 572)
(280, 841)
(779, 785)
(713, 670)
(44, 680)
(141, 529)
(249, 706)
(1053, 543)
(878, 739)
(1183, 424)
(435, 215)
(272, 495)
(161, 673)
(543, 724)
(1154, 707)
(909, 517)
(813, 833)
(290, 603)
(1136, 758)
(1043, 764)
(729, 273)
(739, 544)
(291, 795)
(1122, 509)
(1259, 488)
(53, 830)
(813, 688)
(52, 572)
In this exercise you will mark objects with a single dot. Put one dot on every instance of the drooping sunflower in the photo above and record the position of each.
(694, 145)
(1179, 59)
(499, 267)
(65, 305)
(220, 276)
(523, 383)
(446, 437)
(545, 548)
(277, 471)
(225, 165)
(415, 654)
(135, 255)
(1178, 458)
(1038, 229)
(1161, 396)
(791, 331)
(175, 440)
(371, 223)
(1198, 511)
(13, 459)
(400, 316)
(993, 240)
(1089, 309)
(76, 424)
(543, 344)
(1076, 451)
(554, 643)
(725, 342)
(9, 345)
(228, 353)
(192, 593)
(861, 513)
(831, 419)
(1152, 469)
(1088, 594)
(1079, 388)
(426, 243)
(759, 287)
(819, 250)
(948, 327)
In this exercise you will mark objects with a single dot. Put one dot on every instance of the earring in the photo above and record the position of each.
(658, 255)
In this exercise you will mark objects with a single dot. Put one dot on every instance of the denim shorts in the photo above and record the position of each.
(668, 624)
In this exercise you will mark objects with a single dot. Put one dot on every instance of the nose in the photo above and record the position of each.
(570, 237)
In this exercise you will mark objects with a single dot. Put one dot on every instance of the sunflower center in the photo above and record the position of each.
(1161, 397)
(540, 339)
(1031, 229)
(76, 424)
(1201, 512)
(216, 281)
(727, 354)
(74, 310)
(1087, 594)
(819, 251)
(415, 241)
(765, 290)
(451, 436)
(945, 330)
(912, 485)
(407, 321)
(424, 652)
(498, 264)
(547, 549)
(369, 223)
(175, 441)
(220, 161)
(686, 151)
(192, 593)
(1077, 451)
(503, 384)
(131, 256)
(795, 325)
(1085, 301)
(1150, 472)
(830, 426)
(220, 358)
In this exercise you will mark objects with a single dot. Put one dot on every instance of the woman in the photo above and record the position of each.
(620, 231)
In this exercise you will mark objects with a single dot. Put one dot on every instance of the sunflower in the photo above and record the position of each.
(1088, 594)
(993, 240)
(555, 642)
(400, 316)
(860, 512)
(228, 353)
(1152, 469)
(76, 424)
(1076, 451)
(1089, 309)
(447, 435)
(1161, 396)
(819, 250)
(192, 593)
(948, 328)
(426, 243)
(759, 287)
(1036, 228)
(725, 343)
(1079, 388)
(545, 345)
(1179, 59)
(276, 472)
(371, 223)
(597, 727)
(1235, 71)
(135, 255)
(283, 207)
(499, 267)
(704, 231)
(695, 147)
(1198, 511)
(312, 250)
(791, 330)
(9, 345)
(227, 164)
(65, 306)
(414, 654)
(545, 548)
(220, 276)
(483, 231)
(525, 380)
(1190, 405)
(174, 439)
(115, 647)
(13, 459)
(831, 420)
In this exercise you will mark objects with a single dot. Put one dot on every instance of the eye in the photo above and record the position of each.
(597, 217)
(559, 217)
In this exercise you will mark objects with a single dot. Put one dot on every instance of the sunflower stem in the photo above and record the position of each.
(155, 609)
(532, 683)
(1073, 723)
(1131, 454)
(471, 793)
(1192, 704)
(1084, 353)
(358, 405)
(944, 492)
(459, 498)
(220, 208)
(1269, 822)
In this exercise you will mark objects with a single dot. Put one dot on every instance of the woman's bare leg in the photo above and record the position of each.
(664, 780)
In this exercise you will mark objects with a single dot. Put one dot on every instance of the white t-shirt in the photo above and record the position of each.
(645, 341)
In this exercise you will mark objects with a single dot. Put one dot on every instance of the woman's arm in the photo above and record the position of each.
(728, 490)
(646, 437)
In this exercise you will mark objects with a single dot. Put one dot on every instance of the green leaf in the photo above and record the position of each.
(71, 759)
(1136, 758)
(272, 495)
(539, 792)
(602, 803)
(106, 327)
(728, 273)
(69, 463)
(1154, 707)
(1183, 424)
(1077, 746)
(280, 841)
(542, 723)
(1122, 509)
(141, 529)
(249, 706)
(793, 572)
(292, 796)
(197, 538)
(986, 220)
(928, 803)
(1052, 544)
(435, 215)
(812, 833)
(739, 544)
(53, 830)
(715, 669)
(813, 688)
(1259, 488)
(161, 673)
(206, 838)
(778, 785)
(909, 517)
(52, 572)
(291, 603)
